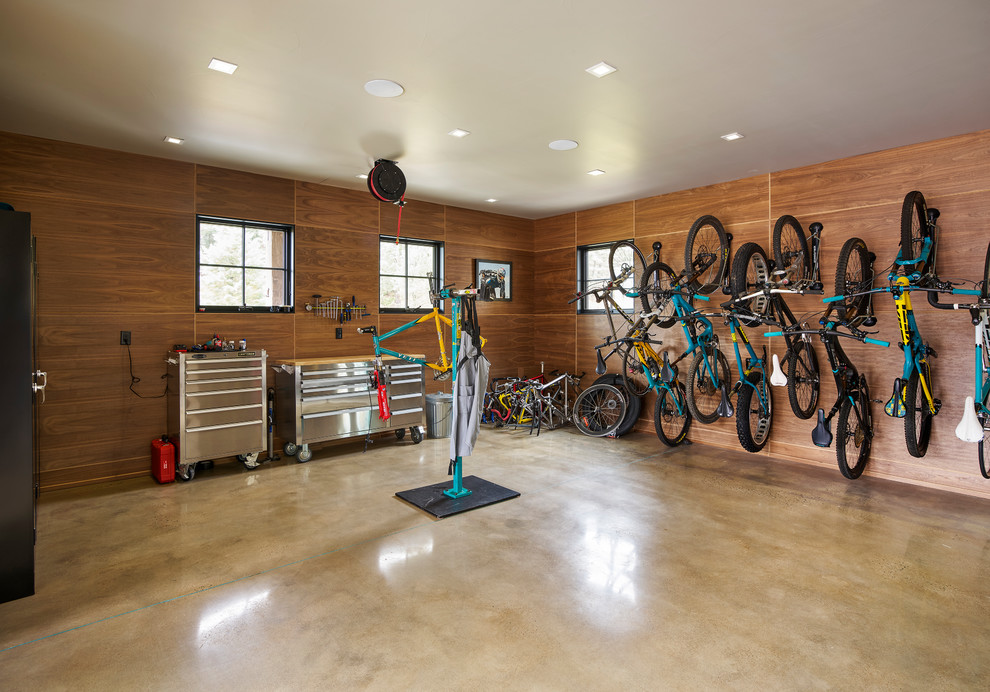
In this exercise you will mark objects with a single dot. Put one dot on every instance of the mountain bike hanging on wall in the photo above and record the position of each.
(913, 397)
(975, 423)
(854, 427)
(760, 287)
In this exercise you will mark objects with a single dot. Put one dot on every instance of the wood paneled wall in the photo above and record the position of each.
(116, 251)
(116, 239)
(859, 196)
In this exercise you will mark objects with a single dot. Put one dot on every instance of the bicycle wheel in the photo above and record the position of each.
(625, 259)
(790, 250)
(750, 272)
(599, 410)
(914, 230)
(753, 419)
(633, 403)
(634, 375)
(853, 274)
(706, 251)
(853, 438)
(803, 379)
(654, 293)
(981, 451)
(671, 417)
(918, 418)
(704, 386)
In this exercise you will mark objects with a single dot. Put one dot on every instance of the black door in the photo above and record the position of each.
(16, 408)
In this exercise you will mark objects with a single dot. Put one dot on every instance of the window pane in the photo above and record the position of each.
(419, 294)
(220, 286)
(392, 257)
(597, 265)
(420, 260)
(392, 292)
(264, 248)
(260, 287)
(219, 244)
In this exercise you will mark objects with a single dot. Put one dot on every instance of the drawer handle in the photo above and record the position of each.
(223, 391)
(222, 427)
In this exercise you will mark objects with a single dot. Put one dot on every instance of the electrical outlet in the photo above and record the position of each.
(125, 338)
(340, 332)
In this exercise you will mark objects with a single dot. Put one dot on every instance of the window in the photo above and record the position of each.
(404, 272)
(592, 271)
(243, 266)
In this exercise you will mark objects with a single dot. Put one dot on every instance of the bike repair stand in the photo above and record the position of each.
(452, 497)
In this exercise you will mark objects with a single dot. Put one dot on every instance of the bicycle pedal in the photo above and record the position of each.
(931, 351)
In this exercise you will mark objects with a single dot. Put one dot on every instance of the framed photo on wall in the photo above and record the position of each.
(494, 279)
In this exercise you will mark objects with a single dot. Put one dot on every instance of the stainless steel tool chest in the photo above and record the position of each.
(321, 399)
(216, 404)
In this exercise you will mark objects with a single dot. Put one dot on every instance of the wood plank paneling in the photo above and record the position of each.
(333, 207)
(48, 168)
(948, 166)
(739, 201)
(239, 195)
(490, 230)
(556, 232)
(460, 257)
(604, 224)
(554, 344)
(274, 332)
(555, 281)
(421, 220)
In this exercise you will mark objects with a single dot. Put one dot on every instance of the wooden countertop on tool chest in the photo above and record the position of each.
(342, 359)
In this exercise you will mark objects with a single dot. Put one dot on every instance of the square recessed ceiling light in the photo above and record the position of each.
(601, 69)
(174, 140)
(732, 136)
(491, 200)
(597, 171)
(222, 66)
(362, 176)
(458, 132)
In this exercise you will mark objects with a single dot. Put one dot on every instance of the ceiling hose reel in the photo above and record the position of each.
(388, 184)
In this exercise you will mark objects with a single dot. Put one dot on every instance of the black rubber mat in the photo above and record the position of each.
(430, 498)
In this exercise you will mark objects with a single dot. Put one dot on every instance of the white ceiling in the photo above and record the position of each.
(805, 82)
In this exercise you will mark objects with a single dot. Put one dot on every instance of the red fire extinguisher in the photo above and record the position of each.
(163, 460)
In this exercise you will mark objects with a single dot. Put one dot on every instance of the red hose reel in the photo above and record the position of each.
(388, 184)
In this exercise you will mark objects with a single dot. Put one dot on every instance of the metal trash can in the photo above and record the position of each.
(439, 418)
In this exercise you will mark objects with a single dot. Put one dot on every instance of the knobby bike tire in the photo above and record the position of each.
(659, 278)
(790, 247)
(753, 423)
(703, 395)
(671, 426)
(985, 289)
(633, 404)
(852, 438)
(599, 410)
(630, 286)
(854, 274)
(917, 417)
(914, 229)
(750, 272)
(803, 379)
(981, 450)
(707, 241)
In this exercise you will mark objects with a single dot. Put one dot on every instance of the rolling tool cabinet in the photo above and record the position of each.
(217, 405)
(321, 399)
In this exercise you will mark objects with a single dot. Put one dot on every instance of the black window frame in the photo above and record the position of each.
(438, 264)
(289, 230)
(582, 279)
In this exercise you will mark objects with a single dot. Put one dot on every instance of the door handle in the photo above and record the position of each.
(40, 387)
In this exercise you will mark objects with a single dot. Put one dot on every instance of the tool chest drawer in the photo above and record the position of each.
(216, 403)
(326, 399)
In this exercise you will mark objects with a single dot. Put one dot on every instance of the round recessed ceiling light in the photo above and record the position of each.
(383, 88)
(563, 144)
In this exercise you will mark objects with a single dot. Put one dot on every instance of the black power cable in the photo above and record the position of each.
(135, 380)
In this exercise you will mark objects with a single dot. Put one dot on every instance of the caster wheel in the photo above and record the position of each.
(290, 449)
(185, 472)
(416, 434)
(250, 461)
(304, 455)
(400, 433)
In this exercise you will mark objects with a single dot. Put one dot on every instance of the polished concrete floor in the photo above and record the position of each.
(622, 566)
